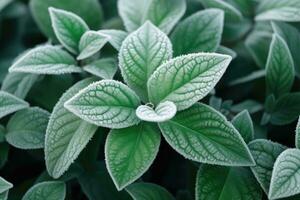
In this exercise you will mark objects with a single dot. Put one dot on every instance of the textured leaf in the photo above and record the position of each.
(116, 37)
(141, 53)
(26, 129)
(4, 185)
(163, 112)
(264, 153)
(51, 190)
(285, 175)
(66, 134)
(280, 67)
(10, 103)
(104, 68)
(18, 84)
(224, 183)
(201, 31)
(90, 11)
(106, 103)
(204, 135)
(130, 152)
(90, 43)
(231, 13)
(244, 125)
(68, 28)
(46, 60)
(162, 13)
(147, 191)
(283, 10)
(297, 139)
(187, 79)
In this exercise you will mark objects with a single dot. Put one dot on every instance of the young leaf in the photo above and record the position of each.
(4, 185)
(46, 60)
(224, 183)
(129, 152)
(26, 129)
(10, 103)
(201, 31)
(104, 68)
(46, 190)
(146, 191)
(285, 175)
(264, 153)
(280, 67)
(202, 134)
(283, 10)
(90, 43)
(116, 37)
(163, 112)
(199, 73)
(141, 53)
(106, 103)
(19, 84)
(243, 123)
(297, 139)
(66, 134)
(68, 28)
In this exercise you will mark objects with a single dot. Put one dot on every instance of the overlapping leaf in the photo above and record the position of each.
(10, 103)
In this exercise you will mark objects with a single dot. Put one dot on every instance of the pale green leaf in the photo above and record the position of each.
(224, 183)
(227, 51)
(148, 191)
(68, 28)
(202, 134)
(250, 105)
(90, 43)
(200, 32)
(4, 185)
(285, 179)
(116, 37)
(46, 60)
(66, 134)
(297, 139)
(106, 103)
(264, 153)
(187, 79)
(26, 129)
(244, 125)
(50, 190)
(10, 103)
(163, 112)
(104, 68)
(129, 152)
(281, 10)
(141, 53)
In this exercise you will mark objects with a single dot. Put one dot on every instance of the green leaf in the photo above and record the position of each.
(4, 195)
(280, 71)
(116, 37)
(10, 104)
(199, 73)
(68, 28)
(141, 53)
(162, 13)
(106, 103)
(250, 105)
(264, 153)
(26, 129)
(224, 183)
(246, 7)
(19, 84)
(147, 191)
(297, 139)
(227, 51)
(231, 13)
(163, 112)
(49, 190)
(90, 11)
(90, 43)
(248, 78)
(285, 176)
(283, 10)
(244, 125)
(130, 152)
(204, 135)
(201, 31)
(104, 68)
(4, 185)
(66, 134)
(4, 3)
(46, 60)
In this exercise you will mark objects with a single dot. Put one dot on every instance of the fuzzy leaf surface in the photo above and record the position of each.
(10, 103)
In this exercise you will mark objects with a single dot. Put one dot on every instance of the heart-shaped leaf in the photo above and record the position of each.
(163, 112)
